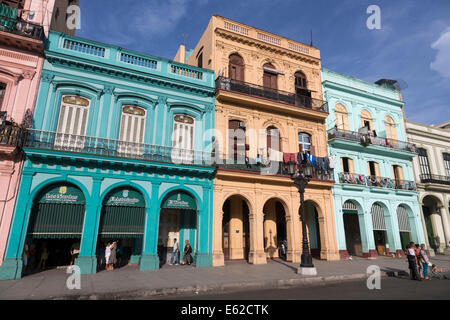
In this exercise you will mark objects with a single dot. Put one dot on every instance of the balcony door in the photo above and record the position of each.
(424, 164)
(270, 77)
(183, 139)
(72, 123)
(236, 67)
(132, 128)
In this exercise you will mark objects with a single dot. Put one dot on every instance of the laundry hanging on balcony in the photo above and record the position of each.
(7, 11)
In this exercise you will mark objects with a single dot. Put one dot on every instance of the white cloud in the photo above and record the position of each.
(441, 63)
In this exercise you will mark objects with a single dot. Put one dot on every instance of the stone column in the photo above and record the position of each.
(235, 240)
(257, 254)
(150, 259)
(367, 238)
(445, 226)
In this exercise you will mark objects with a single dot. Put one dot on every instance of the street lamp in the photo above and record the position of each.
(301, 179)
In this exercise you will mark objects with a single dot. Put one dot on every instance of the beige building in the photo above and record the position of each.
(432, 173)
(270, 88)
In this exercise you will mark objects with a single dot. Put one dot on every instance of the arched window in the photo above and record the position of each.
(270, 77)
(236, 67)
(273, 134)
(366, 120)
(183, 137)
(391, 133)
(304, 143)
(72, 122)
(236, 139)
(341, 117)
(132, 128)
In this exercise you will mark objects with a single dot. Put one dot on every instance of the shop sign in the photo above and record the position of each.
(125, 197)
(63, 194)
(180, 201)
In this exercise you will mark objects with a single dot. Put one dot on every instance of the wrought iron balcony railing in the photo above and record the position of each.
(434, 178)
(114, 148)
(374, 181)
(271, 168)
(370, 140)
(10, 135)
(22, 28)
(272, 94)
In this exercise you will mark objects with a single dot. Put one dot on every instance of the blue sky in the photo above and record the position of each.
(413, 44)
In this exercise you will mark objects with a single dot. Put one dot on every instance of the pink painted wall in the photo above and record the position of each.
(21, 72)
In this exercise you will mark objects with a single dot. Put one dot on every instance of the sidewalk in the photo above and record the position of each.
(129, 282)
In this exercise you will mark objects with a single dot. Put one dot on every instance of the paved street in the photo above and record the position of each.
(391, 288)
(130, 283)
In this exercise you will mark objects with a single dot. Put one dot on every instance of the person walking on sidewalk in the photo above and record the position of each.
(419, 265)
(425, 261)
(107, 255)
(175, 252)
(412, 261)
(187, 259)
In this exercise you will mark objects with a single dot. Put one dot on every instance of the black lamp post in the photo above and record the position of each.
(301, 179)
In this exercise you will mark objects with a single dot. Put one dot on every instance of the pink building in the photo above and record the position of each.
(23, 27)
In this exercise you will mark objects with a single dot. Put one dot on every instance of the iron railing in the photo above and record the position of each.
(271, 168)
(228, 84)
(114, 148)
(434, 178)
(21, 27)
(374, 181)
(10, 135)
(370, 140)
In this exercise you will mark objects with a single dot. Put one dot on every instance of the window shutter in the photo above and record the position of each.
(377, 169)
(312, 150)
(350, 166)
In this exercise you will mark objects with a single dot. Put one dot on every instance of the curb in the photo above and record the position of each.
(216, 288)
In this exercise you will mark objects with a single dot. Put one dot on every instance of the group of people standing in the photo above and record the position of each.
(419, 262)
(175, 258)
(108, 256)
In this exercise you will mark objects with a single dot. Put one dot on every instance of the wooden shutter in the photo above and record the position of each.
(351, 168)
(377, 169)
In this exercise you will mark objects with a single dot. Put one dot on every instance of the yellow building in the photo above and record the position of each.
(269, 84)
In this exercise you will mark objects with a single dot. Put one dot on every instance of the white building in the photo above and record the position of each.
(432, 174)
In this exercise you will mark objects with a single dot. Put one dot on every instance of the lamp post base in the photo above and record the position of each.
(310, 271)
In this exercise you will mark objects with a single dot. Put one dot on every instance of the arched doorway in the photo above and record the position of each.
(275, 234)
(404, 226)
(431, 208)
(235, 229)
(236, 67)
(178, 220)
(55, 227)
(122, 220)
(312, 225)
(379, 228)
(352, 229)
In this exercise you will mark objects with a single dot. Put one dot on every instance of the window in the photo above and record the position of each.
(2, 92)
(423, 162)
(366, 119)
(398, 173)
(200, 60)
(300, 80)
(273, 135)
(447, 163)
(72, 122)
(236, 67)
(341, 117)
(269, 77)
(374, 169)
(391, 133)
(304, 143)
(132, 128)
(234, 143)
(347, 165)
(183, 138)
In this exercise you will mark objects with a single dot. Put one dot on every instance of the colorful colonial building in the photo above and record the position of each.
(432, 176)
(23, 27)
(375, 196)
(269, 92)
(119, 150)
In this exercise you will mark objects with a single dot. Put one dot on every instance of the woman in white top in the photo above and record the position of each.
(107, 255)
(425, 261)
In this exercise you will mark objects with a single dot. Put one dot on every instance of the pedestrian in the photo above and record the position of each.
(44, 256)
(419, 265)
(187, 259)
(25, 257)
(112, 256)
(107, 255)
(412, 261)
(74, 252)
(425, 261)
(175, 252)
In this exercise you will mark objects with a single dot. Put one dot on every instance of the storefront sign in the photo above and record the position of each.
(125, 197)
(63, 194)
(180, 200)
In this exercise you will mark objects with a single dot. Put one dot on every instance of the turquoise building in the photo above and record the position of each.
(119, 150)
(375, 199)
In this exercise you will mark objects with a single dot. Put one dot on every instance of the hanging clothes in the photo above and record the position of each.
(331, 160)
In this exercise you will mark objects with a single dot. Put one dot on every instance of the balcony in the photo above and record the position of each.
(10, 135)
(228, 84)
(114, 148)
(367, 140)
(374, 181)
(273, 169)
(21, 28)
(434, 178)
